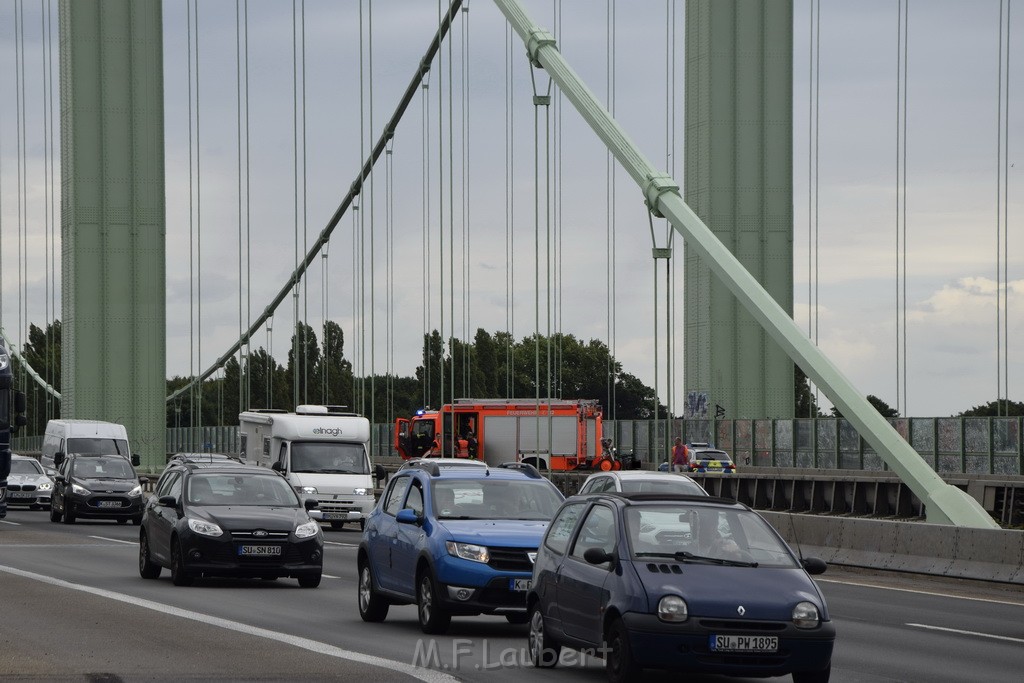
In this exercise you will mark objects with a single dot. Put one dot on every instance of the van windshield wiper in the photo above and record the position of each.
(686, 556)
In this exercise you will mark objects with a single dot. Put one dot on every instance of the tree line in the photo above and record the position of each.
(488, 366)
(317, 370)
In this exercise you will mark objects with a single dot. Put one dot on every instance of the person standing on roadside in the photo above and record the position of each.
(680, 458)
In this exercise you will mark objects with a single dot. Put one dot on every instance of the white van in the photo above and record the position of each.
(83, 436)
(323, 452)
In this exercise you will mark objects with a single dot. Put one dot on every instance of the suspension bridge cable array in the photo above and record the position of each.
(378, 149)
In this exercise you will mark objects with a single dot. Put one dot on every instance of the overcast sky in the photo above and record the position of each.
(951, 176)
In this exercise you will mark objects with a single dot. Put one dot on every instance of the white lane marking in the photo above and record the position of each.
(920, 592)
(115, 540)
(346, 545)
(330, 576)
(426, 675)
(4, 521)
(967, 633)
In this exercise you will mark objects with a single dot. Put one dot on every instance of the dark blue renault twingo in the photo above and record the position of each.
(685, 583)
(454, 538)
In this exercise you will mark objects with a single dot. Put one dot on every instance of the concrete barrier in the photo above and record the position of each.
(915, 547)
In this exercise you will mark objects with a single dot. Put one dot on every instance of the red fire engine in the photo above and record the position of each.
(555, 434)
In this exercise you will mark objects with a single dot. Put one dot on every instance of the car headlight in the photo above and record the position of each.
(204, 528)
(45, 487)
(135, 492)
(672, 608)
(360, 492)
(4, 360)
(468, 551)
(307, 490)
(80, 490)
(805, 615)
(306, 530)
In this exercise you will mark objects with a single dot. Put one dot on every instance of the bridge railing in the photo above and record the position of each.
(965, 445)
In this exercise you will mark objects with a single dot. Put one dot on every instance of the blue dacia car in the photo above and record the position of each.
(454, 538)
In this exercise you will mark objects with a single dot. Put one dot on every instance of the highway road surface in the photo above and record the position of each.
(73, 608)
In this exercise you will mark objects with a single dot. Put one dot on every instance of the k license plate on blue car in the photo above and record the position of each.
(743, 643)
(520, 585)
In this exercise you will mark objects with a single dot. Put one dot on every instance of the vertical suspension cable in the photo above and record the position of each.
(295, 204)
(559, 362)
(906, 82)
(899, 131)
(305, 224)
(248, 223)
(610, 220)
(191, 228)
(238, 117)
(199, 232)
(373, 234)
(510, 259)
(1006, 219)
(48, 183)
(22, 124)
(389, 208)
(440, 196)
(466, 231)
(426, 261)
(451, 221)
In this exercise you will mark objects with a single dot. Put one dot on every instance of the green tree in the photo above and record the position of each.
(806, 404)
(42, 352)
(1000, 408)
(883, 408)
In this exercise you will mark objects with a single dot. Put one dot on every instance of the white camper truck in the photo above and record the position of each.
(323, 452)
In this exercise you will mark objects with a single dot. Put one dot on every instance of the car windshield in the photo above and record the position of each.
(98, 446)
(495, 499)
(721, 456)
(103, 467)
(240, 489)
(25, 467)
(329, 458)
(700, 534)
(668, 484)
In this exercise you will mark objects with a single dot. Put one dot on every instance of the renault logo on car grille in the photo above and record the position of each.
(533, 557)
(260, 533)
(741, 610)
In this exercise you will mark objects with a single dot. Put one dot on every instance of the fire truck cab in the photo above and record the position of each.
(556, 434)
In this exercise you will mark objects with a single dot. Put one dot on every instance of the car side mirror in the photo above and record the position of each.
(277, 467)
(143, 480)
(168, 501)
(814, 565)
(380, 473)
(409, 516)
(135, 460)
(311, 503)
(58, 458)
(59, 478)
(597, 556)
(20, 420)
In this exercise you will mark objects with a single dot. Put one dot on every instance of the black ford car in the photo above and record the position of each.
(231, 521)
(96, 487)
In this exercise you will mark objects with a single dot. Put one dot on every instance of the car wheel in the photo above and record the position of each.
(179, 575)
(518, 618)
(54, 514)
(619, 663)
(309, 580)
(372, 607)
(147, 568)
(544, 650)
(434, 619)
(813, 676)
(337, 525)
(69, 516)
